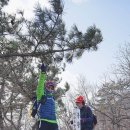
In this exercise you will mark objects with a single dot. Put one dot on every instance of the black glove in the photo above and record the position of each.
(71, 122)
(43, 68)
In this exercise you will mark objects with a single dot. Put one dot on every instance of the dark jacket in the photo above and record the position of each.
(86, 118)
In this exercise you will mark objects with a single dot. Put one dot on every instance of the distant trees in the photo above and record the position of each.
(25, 44)
(112, 101)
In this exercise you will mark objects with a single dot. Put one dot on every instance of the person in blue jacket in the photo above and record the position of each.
(45, 106)
(86, 115)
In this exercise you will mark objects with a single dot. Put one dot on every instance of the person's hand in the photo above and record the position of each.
(71, 122)
(43, 68)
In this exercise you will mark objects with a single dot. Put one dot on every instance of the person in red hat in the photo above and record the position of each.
(86, 115)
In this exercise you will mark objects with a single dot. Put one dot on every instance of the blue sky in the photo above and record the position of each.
(111, 16)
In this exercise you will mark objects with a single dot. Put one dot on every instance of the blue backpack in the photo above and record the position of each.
(35, 105)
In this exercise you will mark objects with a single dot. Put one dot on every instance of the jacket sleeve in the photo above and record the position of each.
(40, 87)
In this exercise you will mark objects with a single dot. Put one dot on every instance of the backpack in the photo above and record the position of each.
(94, 118)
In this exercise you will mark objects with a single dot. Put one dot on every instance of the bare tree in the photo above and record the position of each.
(113, 97)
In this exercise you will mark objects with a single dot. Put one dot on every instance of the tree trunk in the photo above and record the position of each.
(1, 117)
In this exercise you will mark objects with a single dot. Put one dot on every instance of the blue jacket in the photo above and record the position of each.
(45, 102)
(86, 117)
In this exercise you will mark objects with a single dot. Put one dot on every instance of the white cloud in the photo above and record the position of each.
(78, 1)
(69, 77)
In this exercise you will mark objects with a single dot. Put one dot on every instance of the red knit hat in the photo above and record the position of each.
(79, 99)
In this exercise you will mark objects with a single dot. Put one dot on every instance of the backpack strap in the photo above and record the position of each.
(34, 107)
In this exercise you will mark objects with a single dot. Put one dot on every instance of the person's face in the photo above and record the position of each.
(79, 105)
(50, 88)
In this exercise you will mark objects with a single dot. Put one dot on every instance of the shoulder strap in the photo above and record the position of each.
(86, 106)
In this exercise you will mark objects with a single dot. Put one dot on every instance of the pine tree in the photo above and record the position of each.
(25, 44)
